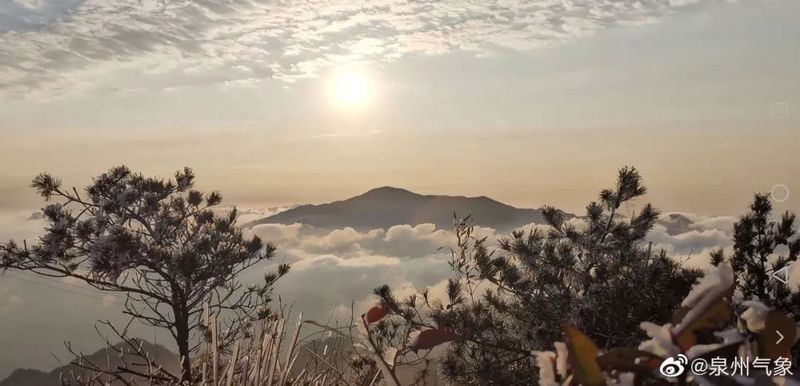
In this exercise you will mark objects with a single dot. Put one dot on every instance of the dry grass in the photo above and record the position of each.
(270, 353)
(267, 358)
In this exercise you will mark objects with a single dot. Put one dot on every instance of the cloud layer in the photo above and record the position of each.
(52, 45)
(339, 266)
(332, 268)
(333, 271)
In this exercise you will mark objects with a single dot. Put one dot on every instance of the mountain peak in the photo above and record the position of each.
(676, 223)
(387, 206)
(388, 190)
(32, 377)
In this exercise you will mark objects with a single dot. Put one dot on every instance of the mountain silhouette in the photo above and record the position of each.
(32, 377)
(676, 223)
(387, 206)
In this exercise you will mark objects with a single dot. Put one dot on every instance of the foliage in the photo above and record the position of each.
(763, 246)
(160, 244)
(701, 331)
(615, 312)
(267, 358)
(752, 336)
(268, 355)
(595, 272)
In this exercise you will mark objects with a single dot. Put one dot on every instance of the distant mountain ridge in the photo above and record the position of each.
(387, 206)
(32, 377)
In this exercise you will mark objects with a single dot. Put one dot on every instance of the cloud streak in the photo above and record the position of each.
(182, 42)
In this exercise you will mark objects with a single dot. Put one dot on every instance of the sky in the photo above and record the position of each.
(277, 103)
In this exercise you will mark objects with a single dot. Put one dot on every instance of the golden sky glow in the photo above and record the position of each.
(351, 89)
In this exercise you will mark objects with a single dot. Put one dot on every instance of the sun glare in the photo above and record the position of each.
(351, 90)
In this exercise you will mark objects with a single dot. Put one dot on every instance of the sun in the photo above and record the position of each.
(351, 90)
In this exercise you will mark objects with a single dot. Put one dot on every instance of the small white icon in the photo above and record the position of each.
(781, 275)
(779, 193)
(699, 366)
(780, 339)
(673, 367)
(780, 110)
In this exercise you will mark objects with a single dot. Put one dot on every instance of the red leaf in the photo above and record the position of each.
(429, 339)
(375, 314)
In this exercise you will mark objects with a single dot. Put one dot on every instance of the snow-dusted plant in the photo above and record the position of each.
(702, 332)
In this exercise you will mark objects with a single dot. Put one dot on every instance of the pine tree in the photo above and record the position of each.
(763, 246)
(159, 243)
(597, 273)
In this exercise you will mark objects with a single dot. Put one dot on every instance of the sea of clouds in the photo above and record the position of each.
(333, 274)
(334, 268)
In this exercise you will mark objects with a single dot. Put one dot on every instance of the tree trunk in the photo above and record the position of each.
(182, 339)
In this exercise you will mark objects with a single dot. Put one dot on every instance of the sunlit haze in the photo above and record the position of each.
(351, 89)
(277, 104)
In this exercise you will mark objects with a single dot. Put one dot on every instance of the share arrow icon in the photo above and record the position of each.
(781, 275)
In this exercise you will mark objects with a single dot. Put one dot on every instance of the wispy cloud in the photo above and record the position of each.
(32, 14)
(181, 42)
